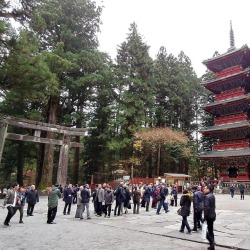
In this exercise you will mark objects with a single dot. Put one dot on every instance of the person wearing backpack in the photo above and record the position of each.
(174, 194)
(161, 198)
(198, 205)
(136, 200)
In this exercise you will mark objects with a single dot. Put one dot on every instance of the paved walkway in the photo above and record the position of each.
(144, 231)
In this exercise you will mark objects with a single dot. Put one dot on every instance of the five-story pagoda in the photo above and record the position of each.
(231, 110)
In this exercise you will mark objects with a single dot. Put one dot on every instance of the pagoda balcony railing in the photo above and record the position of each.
(229, 71)
(229, 94)
(230, 119)
(231, 145)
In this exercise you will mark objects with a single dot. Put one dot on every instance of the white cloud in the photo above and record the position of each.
(197, 27)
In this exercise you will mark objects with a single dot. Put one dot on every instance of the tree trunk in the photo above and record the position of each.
(159, 160)
(40, 159)
(76, 163)
(150, 167)
(20, 163)
(62, 172)
(47, 170)
(181, 122)
(3, 131)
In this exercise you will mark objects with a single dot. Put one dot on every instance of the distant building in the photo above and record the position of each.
(231, 110)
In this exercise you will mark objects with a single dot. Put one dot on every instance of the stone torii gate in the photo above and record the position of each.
(65, 142)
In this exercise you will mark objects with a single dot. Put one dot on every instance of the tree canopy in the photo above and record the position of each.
(52, 71)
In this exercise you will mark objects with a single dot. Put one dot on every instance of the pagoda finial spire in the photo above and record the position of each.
(232, 47)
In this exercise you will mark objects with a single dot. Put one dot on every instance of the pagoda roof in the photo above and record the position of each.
(214, 82)
(217, 63)
(227, 101)
(226, 126)
(226, 153)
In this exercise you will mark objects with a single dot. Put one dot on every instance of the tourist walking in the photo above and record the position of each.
(198, 205)
(185, 204)
(154, 200)
(147, 195)
(161, 200)
(32, 199)
(53, 196)
(10, 203)
(209, 214)
(242, 191)
(21, 203)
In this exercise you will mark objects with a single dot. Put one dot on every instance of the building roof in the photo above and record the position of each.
(226, 153)
(223, 102)
(216, 63)
(226, 126)
(216, 81)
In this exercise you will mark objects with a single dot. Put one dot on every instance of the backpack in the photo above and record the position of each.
(158, 197)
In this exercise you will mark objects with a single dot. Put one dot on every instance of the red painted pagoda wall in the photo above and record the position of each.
(227, 91)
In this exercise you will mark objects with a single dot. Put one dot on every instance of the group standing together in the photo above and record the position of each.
(15, 199)
(103, 197)
(203, 210)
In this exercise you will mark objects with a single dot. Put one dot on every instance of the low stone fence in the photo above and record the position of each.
(224, 187)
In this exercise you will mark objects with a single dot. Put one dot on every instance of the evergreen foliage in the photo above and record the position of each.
(52, 71)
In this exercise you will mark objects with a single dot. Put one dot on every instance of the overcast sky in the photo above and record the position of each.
(197, 27)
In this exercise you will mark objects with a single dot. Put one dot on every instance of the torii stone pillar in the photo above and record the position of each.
(3, 132)
(62, 172)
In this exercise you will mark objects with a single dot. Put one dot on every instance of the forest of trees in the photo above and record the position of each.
(139, 110)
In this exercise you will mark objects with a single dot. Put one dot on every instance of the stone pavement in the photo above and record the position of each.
(144, 231)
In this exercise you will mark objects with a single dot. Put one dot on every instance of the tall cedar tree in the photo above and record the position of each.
(67, 31)
(135, 99)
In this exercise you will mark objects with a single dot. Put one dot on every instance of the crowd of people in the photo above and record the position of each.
(15, 199)
(125, 197)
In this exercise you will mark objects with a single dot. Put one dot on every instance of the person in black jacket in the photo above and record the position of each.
(185, 204)
(85, 195)
(232, 188)
(242, 190)
(209, 214)
(68, 198)
(119, 197)
(162, 195)
(32, 199)
(198, 204)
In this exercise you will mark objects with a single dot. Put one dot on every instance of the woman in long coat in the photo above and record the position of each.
(185, 204)
(78, 202)
(127, 198)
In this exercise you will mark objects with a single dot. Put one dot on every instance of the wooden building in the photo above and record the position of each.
(230, 108)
